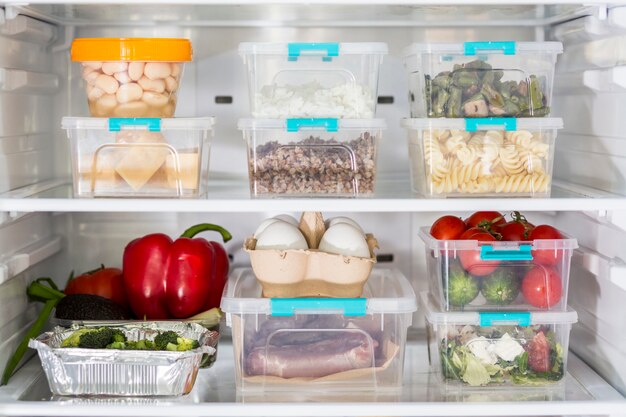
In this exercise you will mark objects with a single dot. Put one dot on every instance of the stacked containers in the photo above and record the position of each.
(497, 311)
(134, 150)
(501, 89)
(313, 132)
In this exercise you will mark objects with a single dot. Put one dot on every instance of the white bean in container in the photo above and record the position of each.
(129, 92)
(155, 99)
(152, 85)
(135, 70)
(134, 109)
(157, 70)
(107, 83)
(111, 68)
(122, 77)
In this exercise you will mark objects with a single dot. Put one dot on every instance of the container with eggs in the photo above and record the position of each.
(311, 258)
(486, 157)
(131, 77)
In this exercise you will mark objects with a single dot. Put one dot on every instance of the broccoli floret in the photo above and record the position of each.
(96, 339)
(118, 335)
(117, 345)
(164, 338)
(184, 344)
(74, 338)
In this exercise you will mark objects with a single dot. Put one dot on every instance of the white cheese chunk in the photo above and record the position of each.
(508, 348)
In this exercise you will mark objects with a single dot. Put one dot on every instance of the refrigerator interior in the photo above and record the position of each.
(46, 232)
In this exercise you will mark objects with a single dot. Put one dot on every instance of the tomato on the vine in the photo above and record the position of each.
(105, 282)
(470, 259)
(547, 257)
(447, 228)
(493, 218)
(541, 286)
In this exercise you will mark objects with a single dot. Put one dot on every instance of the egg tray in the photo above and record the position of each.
(310, 273)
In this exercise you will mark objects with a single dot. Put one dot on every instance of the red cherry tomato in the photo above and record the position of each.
(547, 257)
(539, 353)
(105, 282)
(542, 287)
(470, 259)
(513, 231)
(494, 218)
(447, 228)
(467, 235)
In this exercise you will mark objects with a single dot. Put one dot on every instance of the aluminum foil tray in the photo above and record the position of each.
(74, 371)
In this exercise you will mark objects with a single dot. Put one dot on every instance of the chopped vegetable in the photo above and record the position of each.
(107, 338)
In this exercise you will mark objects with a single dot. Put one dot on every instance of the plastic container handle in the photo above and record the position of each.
(523, 253)
(502, 318)
(329, 49)
(117, 123)
(506, 123)
(507, 47)
(286, 307)
(330, 124)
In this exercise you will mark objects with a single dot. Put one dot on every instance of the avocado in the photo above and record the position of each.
(89, 307)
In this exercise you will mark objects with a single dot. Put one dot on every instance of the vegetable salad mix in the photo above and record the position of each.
(479, 356)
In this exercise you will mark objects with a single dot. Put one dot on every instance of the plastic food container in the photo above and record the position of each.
(491, 157)
(131, 77)
(481, 79)
(473, 275)
(141, 157)
(75, 371)
(287, 344)
(313, 79)
(312, 157)
(492, 349)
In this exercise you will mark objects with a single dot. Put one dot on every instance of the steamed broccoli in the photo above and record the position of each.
(164, 338)
(90, 338)
(182, 344)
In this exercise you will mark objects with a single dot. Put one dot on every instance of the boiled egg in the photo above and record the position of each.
(287, 218)
(282, 236)
(281, 217)
(344, 239)
(336, 220)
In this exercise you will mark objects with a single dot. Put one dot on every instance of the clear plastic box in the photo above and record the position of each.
(313, 79)
(481, 79)
(490, 157)
(317, 344)
(497, 349)
(131, 77)
(312, 157)
(499, 275)
(139, 157)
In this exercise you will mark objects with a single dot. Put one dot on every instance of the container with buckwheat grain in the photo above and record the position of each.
(312, 157)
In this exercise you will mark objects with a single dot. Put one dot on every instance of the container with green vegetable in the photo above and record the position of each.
(479, 349)
(481, 79)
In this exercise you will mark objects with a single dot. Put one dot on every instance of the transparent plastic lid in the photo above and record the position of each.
(472, 48)
(386, 291)
(295, 124)
(486, 123)
(312, 48)
(138, 123)
(435, 244)
(495, 318)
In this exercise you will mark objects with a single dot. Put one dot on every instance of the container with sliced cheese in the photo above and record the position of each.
(139, 157)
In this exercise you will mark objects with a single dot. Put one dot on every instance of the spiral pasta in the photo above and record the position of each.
(486, 162)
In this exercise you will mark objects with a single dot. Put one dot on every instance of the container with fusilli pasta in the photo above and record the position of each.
(490, 157)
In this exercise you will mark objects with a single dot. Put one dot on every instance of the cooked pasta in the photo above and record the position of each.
(522, 183)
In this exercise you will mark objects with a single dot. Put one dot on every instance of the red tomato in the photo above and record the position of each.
(547, 257)
(539, 353)
(447, 228)
(105, 282)
(542, 287)
(470, 259)
(491, 217)
(514, 231)
(467, 235)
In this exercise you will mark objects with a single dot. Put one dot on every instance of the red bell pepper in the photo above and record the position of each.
(167, 279)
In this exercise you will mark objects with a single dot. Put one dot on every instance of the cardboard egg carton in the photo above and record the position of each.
(310, 273)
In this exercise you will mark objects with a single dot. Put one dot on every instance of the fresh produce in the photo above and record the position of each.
(105, 282)
(462, 287)
(475, 89)
(167, 279)
(112, 338)
(539, 280)
(480, 356)
(89, 307)
(447, 228)
(501, 287)
(548, 257)
(542, 287)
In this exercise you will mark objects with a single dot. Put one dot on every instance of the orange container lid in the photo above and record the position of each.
(131, 49)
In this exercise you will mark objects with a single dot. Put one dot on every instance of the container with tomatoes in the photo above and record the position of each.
(491, 261)
(478, 349)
